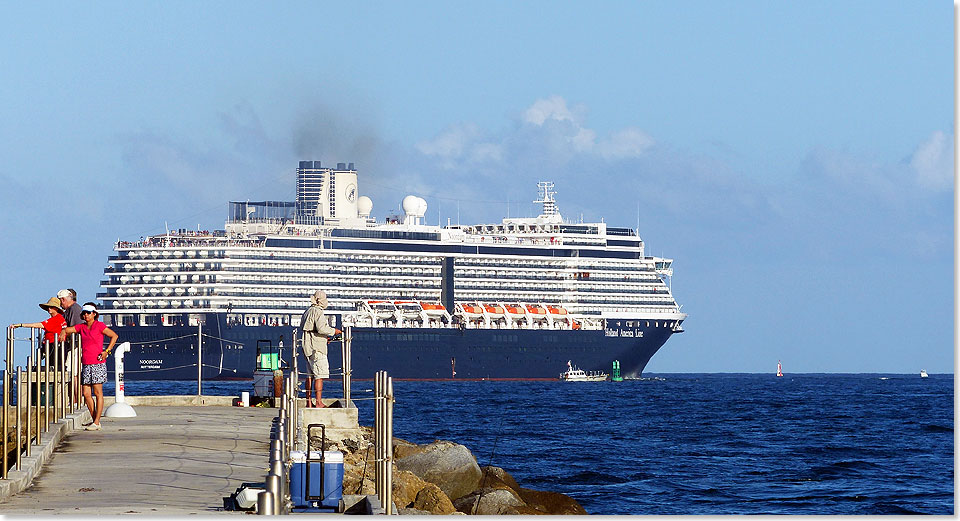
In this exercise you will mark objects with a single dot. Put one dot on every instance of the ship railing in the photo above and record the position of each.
(37, 395)
(557, 324)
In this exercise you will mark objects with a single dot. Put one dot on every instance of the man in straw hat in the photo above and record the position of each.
(316, 331)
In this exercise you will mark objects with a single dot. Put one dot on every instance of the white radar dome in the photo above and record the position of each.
(364, 206)
(414, 206)
(409, 204)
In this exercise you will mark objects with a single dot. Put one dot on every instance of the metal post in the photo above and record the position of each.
(292, 416)
(57, 406)
(29, 422)
(39, 404)
(294, 392)
(273, 487)
(199, 358)
(343, 363)
(46, 385)
(276, 469)
(384, 440)
(347, 346)
(376, 433)
(78, 367)
(19, 423)
(6, 387)
(265, 503)
(64, 384)
(388, 448)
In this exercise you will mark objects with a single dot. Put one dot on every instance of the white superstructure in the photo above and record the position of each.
(272, 255)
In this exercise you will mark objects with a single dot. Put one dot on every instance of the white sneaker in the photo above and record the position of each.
(92, 427)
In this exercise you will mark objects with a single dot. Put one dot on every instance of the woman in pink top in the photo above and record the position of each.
(94, 358)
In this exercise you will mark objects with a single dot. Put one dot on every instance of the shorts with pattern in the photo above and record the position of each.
(316, 366)
(93, 374)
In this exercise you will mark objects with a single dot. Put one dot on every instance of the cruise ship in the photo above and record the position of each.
(516, 299)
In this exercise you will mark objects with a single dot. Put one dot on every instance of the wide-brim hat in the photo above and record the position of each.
(54, 302)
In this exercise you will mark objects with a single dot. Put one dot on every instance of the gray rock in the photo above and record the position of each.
(449, 465)
(489, 502)
(413, 512)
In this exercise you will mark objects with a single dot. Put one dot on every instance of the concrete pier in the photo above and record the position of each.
(168, 460)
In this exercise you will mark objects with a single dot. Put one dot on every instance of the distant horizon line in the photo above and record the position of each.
(784, 374)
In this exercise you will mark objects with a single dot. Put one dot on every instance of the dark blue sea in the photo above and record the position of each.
(692, 443)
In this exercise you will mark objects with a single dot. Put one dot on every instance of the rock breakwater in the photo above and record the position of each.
(443, 478)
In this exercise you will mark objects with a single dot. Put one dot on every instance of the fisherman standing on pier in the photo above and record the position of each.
(316, 331)
(94, 358)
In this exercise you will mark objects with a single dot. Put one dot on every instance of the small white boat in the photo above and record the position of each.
(574, 374)
(923, 373)
(779, 369)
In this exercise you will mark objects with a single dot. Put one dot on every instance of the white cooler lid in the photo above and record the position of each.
(331, 456)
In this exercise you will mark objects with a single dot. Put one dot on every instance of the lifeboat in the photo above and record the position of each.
(471, 309)
(515, 310)
(381, 309)
(556, 310)
(494, 310)
(409, 308)
(433, 309)
(515, 313)
(536, 310)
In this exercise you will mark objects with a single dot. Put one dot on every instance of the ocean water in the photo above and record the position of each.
(692, 443)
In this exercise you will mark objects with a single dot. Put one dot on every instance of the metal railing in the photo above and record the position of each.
(50, 393)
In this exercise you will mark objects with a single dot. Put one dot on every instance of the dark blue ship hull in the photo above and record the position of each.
(170, 352)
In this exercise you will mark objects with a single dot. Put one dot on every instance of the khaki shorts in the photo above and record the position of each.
(317, 366)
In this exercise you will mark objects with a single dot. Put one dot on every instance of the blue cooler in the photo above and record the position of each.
(316, 484)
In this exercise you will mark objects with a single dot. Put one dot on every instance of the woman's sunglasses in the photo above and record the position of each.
(82, 313)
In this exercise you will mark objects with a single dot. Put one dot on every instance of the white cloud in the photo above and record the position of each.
(450, 143)
(933, 162)
(486, 152)
(570, 129)
(552, 108)
(629, 142)
(584, 141)
(460, 144)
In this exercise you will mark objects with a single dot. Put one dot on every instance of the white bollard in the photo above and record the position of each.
(120, 408)
(245, 399)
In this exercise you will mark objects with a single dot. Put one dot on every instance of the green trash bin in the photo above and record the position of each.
(41, 392)
(268, 361)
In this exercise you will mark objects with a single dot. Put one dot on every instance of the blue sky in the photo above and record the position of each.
(794, 158)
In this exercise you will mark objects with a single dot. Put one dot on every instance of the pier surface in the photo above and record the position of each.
(166, 461)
